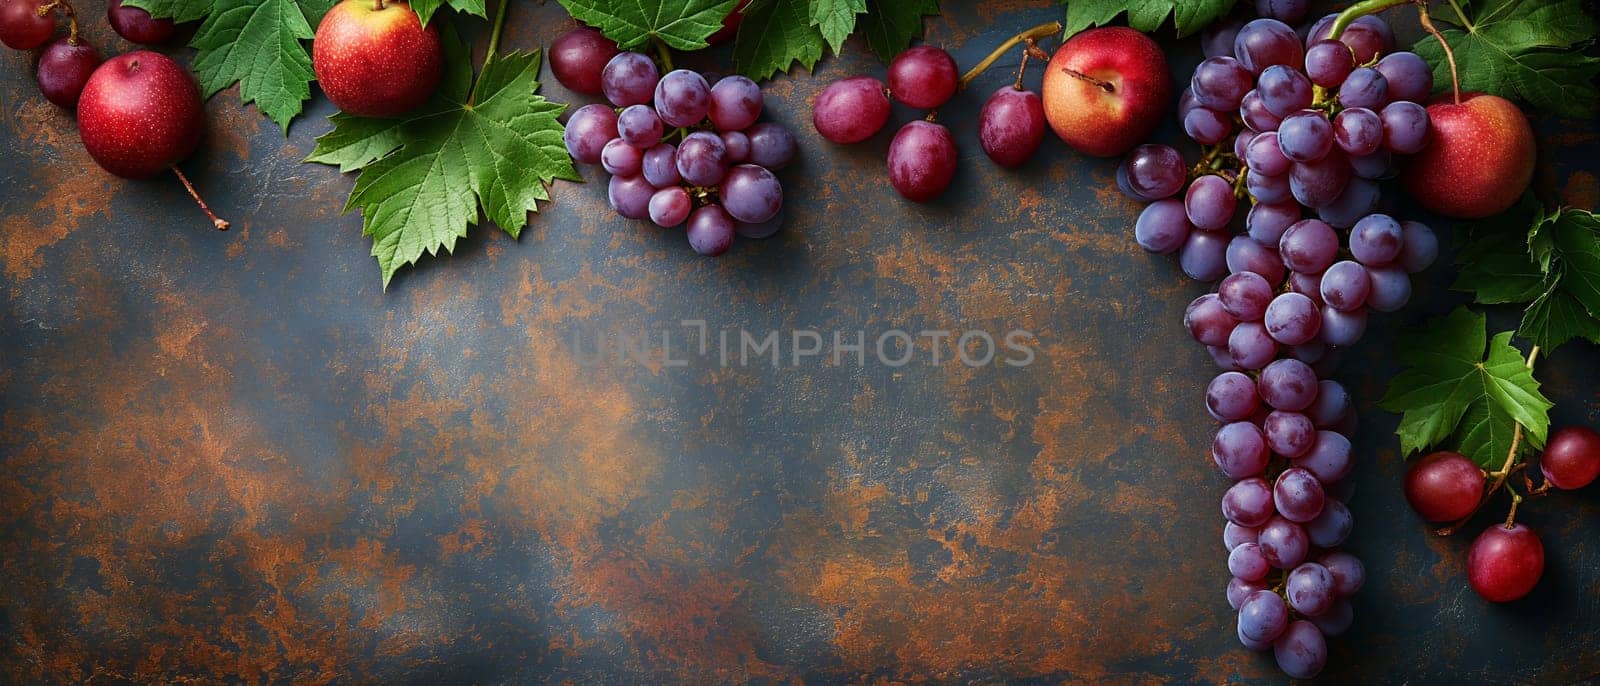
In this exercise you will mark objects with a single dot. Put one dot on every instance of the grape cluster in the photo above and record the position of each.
(922, 157)
(65, 62)
(1304, 128)
(716, 178)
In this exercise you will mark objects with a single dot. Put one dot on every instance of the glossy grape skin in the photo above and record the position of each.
(1348, 572)
(1359, 199)
(1286, 11)
(137, 26)
(1298, 495)
(21, 26)
(660, 165)
(1289, 434)
(1309, 588)
(1378, 165)
(1147, 173)
(1245, 254)
(923, 77)
(1207, 126)
(1358, 131)
(1365, 87)
(1239, 450)
(1265, 156)
(1203, 256)
(1234, 535)
(771, 145)
(702, 159)
(63, 70)
(1329, 459)
(1309, 285)
(1265, 42)
(1332, 404)
(1246, 563)
(1408, 76)
(1305, 136)
(1284, 90)
(578, 57)
(1253, 110)
(1241, 142)
(639, 126)
(1245, 295)
(588, 131)
(629, 79)
(1239, 589)
(922, 160)
(1505, 562)
(1293, 319)
(1283, 542)
(1332, 527)
(1231, 397)
(1288, 384)
(1263, 616)
(710, 231)
(630, 196)
(737, 146)
(851, 110)
(1343, 328)
(1250, 346)
(1391, 288)
(1186, 102)
(1420, 247)
(1216, 40)
(1219, 356)
(670, 207)
(1219, 83)
(1444, 486)
(736, 103)
(1571, 458)
(1376, 240)
(1406, 129)
(751, 194)
(1162, 227)
(1210, 202)
(682, 98)
(1301, 652)
(1367, 36)
(1207, 321)
(1266, 188)
(1345, 286)
(1318, 184)
(1329, 62)
(620, 159)
(1012, 125)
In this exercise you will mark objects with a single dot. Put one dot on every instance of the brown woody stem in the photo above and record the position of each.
(216, 221)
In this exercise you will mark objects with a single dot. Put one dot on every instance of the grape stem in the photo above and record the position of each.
(1506, 470)
(1030, 36)
(69, 13)
(1511, 516)
(1449, 55)
(664, 53)
(494, 46)
(221, 224)
(1465, 23)
(1358, 10)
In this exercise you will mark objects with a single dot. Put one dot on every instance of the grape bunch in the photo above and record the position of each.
(682, 149)
(65, 62)
(922, 157)
(1298, 132)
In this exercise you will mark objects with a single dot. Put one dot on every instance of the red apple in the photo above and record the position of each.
(140, 114)
(1480, 161)
(375, 59)
(1106, 90)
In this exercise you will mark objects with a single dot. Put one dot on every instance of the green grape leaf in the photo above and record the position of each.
(889, 25)
(177, 10)
(426, 8)
(681, 24)
(259, 45)
(836, 19)
(424, 178)
(1532, 50)
(1547, 261)
(773, 36)
(1453, 385)
(1188, 16)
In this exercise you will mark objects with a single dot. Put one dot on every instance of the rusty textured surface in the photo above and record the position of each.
(231, 457)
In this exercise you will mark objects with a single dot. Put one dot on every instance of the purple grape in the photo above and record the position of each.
(1376, 240)
(1405, 127)
(1266, 42)
(1301, 651)
(702, 159)
(64, 67)
(1219, 355)
(1265, 156)
(683, 98)
(630, 196)
(1241, 142)
(710, 231)
(1305, 136)
(1248, 503)
(1253, 110)
(1233, 535)
(1289, 434)
(1240, 450)
(1245, 254)
(1250, 346)
(1348, 572)
(1239, 589)
(629, 79)
(1266, 188)
(1408, 76)
(1320, 183)
(1345, 286)
(1292, 319)
(1329, 63)
(923, 77)
(1284, 90)
(771, 145)
(1358, 131)
(1219, 83)
(1151, 172)
(751, 194)
(588, 131)
(660, 166)
(1359, 199)
(735, 104)
(1365, 87)
(1309, 588)
(1217, 39)
(1186, 102)
(1367, 36)
(1286, 11)
(1162, 227)
(1204, 255)
(1343, 329)
(1246, 562)
(1231, 397)
(1245, 295)
(1207, 321)
(1391, 288)
(1210, 202)
(1283, 542)
(1329, 458)
(1378, 165)
(1419, 248)
(1298, 495)
(1308, 285)
(922, 160)
(1012, 124)
(737, 146)
(137, 25)
(620, 159)
(1263, 616)
(1336, 620)
(670, 207)
(1207, 126)
(1332, 526)
(1288, 384)
(1331, 406)
(851, 110)
(639, 126)
(1267, 221)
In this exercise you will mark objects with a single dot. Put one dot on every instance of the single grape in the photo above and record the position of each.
(1219, 83)
(1219, 355)
(1409, 77)
(1239, 589)
(1301, 651)
(771, 145)
(1378, 165)
(1241, 142)
(1287, 384)
(1207, 126)
(1186, 102)
(851, 110)
(1308, 285)
(1253, 644)
(1266, 222)
(1332, 526)
(1348, 572)
(1231, 397)
(64, 67)
(1203, 256)
(1318, 184)
(1376, 240)
(1329, 62)
(1012, 124)
(1265, 156)
(1248, 503)
(1207, 321)
(576, 58)
(1253, 110)
(1210, 202)
(923, 77)
(1330, 408)
(1391, 288)
(1246, 562)
(1419, 248)
(1309, 588)
(639, 126)
(660, 166)
(1265, 42)
(1505, 562)
(1245, 295)
(1284, 90)
(1263, 616)
(1162, 227)
(1305, 136)
(1444, 486)
(1245, 254)
(682, 98)
(1286, 11)
(1283, 542)
(1289, 434)
(1234, 535)
(1147, 173)
(1405, 127)
(21, 25)
(1250, 346)
(1216, 40)
(1358, 131)
(710, 231)
(1367, 36)
(1240, 450)
(736, 102)
(922, 160)
(670, 207)
(751, 194)
(1345, 286)
(1329, 459)
(588, 131)
(1336, 620)
(737, 146)
(1365, 87)
(1359, 199)
(1298, 495)
(1266, 188)
(1292, 319)
(620, 159)
(630, 196)
(629, 79)
(1571, 459)
(702, 159)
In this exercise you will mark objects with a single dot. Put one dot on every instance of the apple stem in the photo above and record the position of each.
(1449, 55)
(1506, 469)
(221, 224)
(377, 5)
(1031, 36)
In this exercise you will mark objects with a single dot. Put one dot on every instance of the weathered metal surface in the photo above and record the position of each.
(231, 457)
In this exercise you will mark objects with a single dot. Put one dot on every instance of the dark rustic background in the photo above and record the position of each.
(232, 457)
